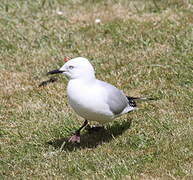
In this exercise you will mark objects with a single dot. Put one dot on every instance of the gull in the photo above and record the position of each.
(93, 99)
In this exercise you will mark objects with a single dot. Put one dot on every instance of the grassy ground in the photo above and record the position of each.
(143, 47)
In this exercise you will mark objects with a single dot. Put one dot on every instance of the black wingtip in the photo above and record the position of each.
(141, 98)
(152, 99)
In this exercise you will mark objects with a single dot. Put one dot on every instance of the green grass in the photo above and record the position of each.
(142, 47)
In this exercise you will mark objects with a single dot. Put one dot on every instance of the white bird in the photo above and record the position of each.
(92, 99)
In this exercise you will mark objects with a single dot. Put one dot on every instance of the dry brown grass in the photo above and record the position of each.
(142, 47)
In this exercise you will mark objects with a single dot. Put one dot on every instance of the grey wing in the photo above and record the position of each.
(116, 100)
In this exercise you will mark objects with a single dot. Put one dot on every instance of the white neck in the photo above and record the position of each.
(86, 79)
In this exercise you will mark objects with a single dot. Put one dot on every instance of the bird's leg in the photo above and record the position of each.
(76, 136)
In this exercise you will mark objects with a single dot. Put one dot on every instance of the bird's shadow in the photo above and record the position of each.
(92, 139)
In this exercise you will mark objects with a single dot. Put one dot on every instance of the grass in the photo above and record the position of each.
(142, 47)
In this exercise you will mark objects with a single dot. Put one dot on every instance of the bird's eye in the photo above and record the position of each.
(71, 67)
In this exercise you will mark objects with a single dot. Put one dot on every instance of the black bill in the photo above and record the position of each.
(57, 71)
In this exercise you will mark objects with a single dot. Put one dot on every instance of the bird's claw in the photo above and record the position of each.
(74, 139)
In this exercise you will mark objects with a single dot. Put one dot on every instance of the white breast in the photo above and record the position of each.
(88, 101)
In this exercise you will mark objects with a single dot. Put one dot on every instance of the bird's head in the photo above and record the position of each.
(77, 68)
